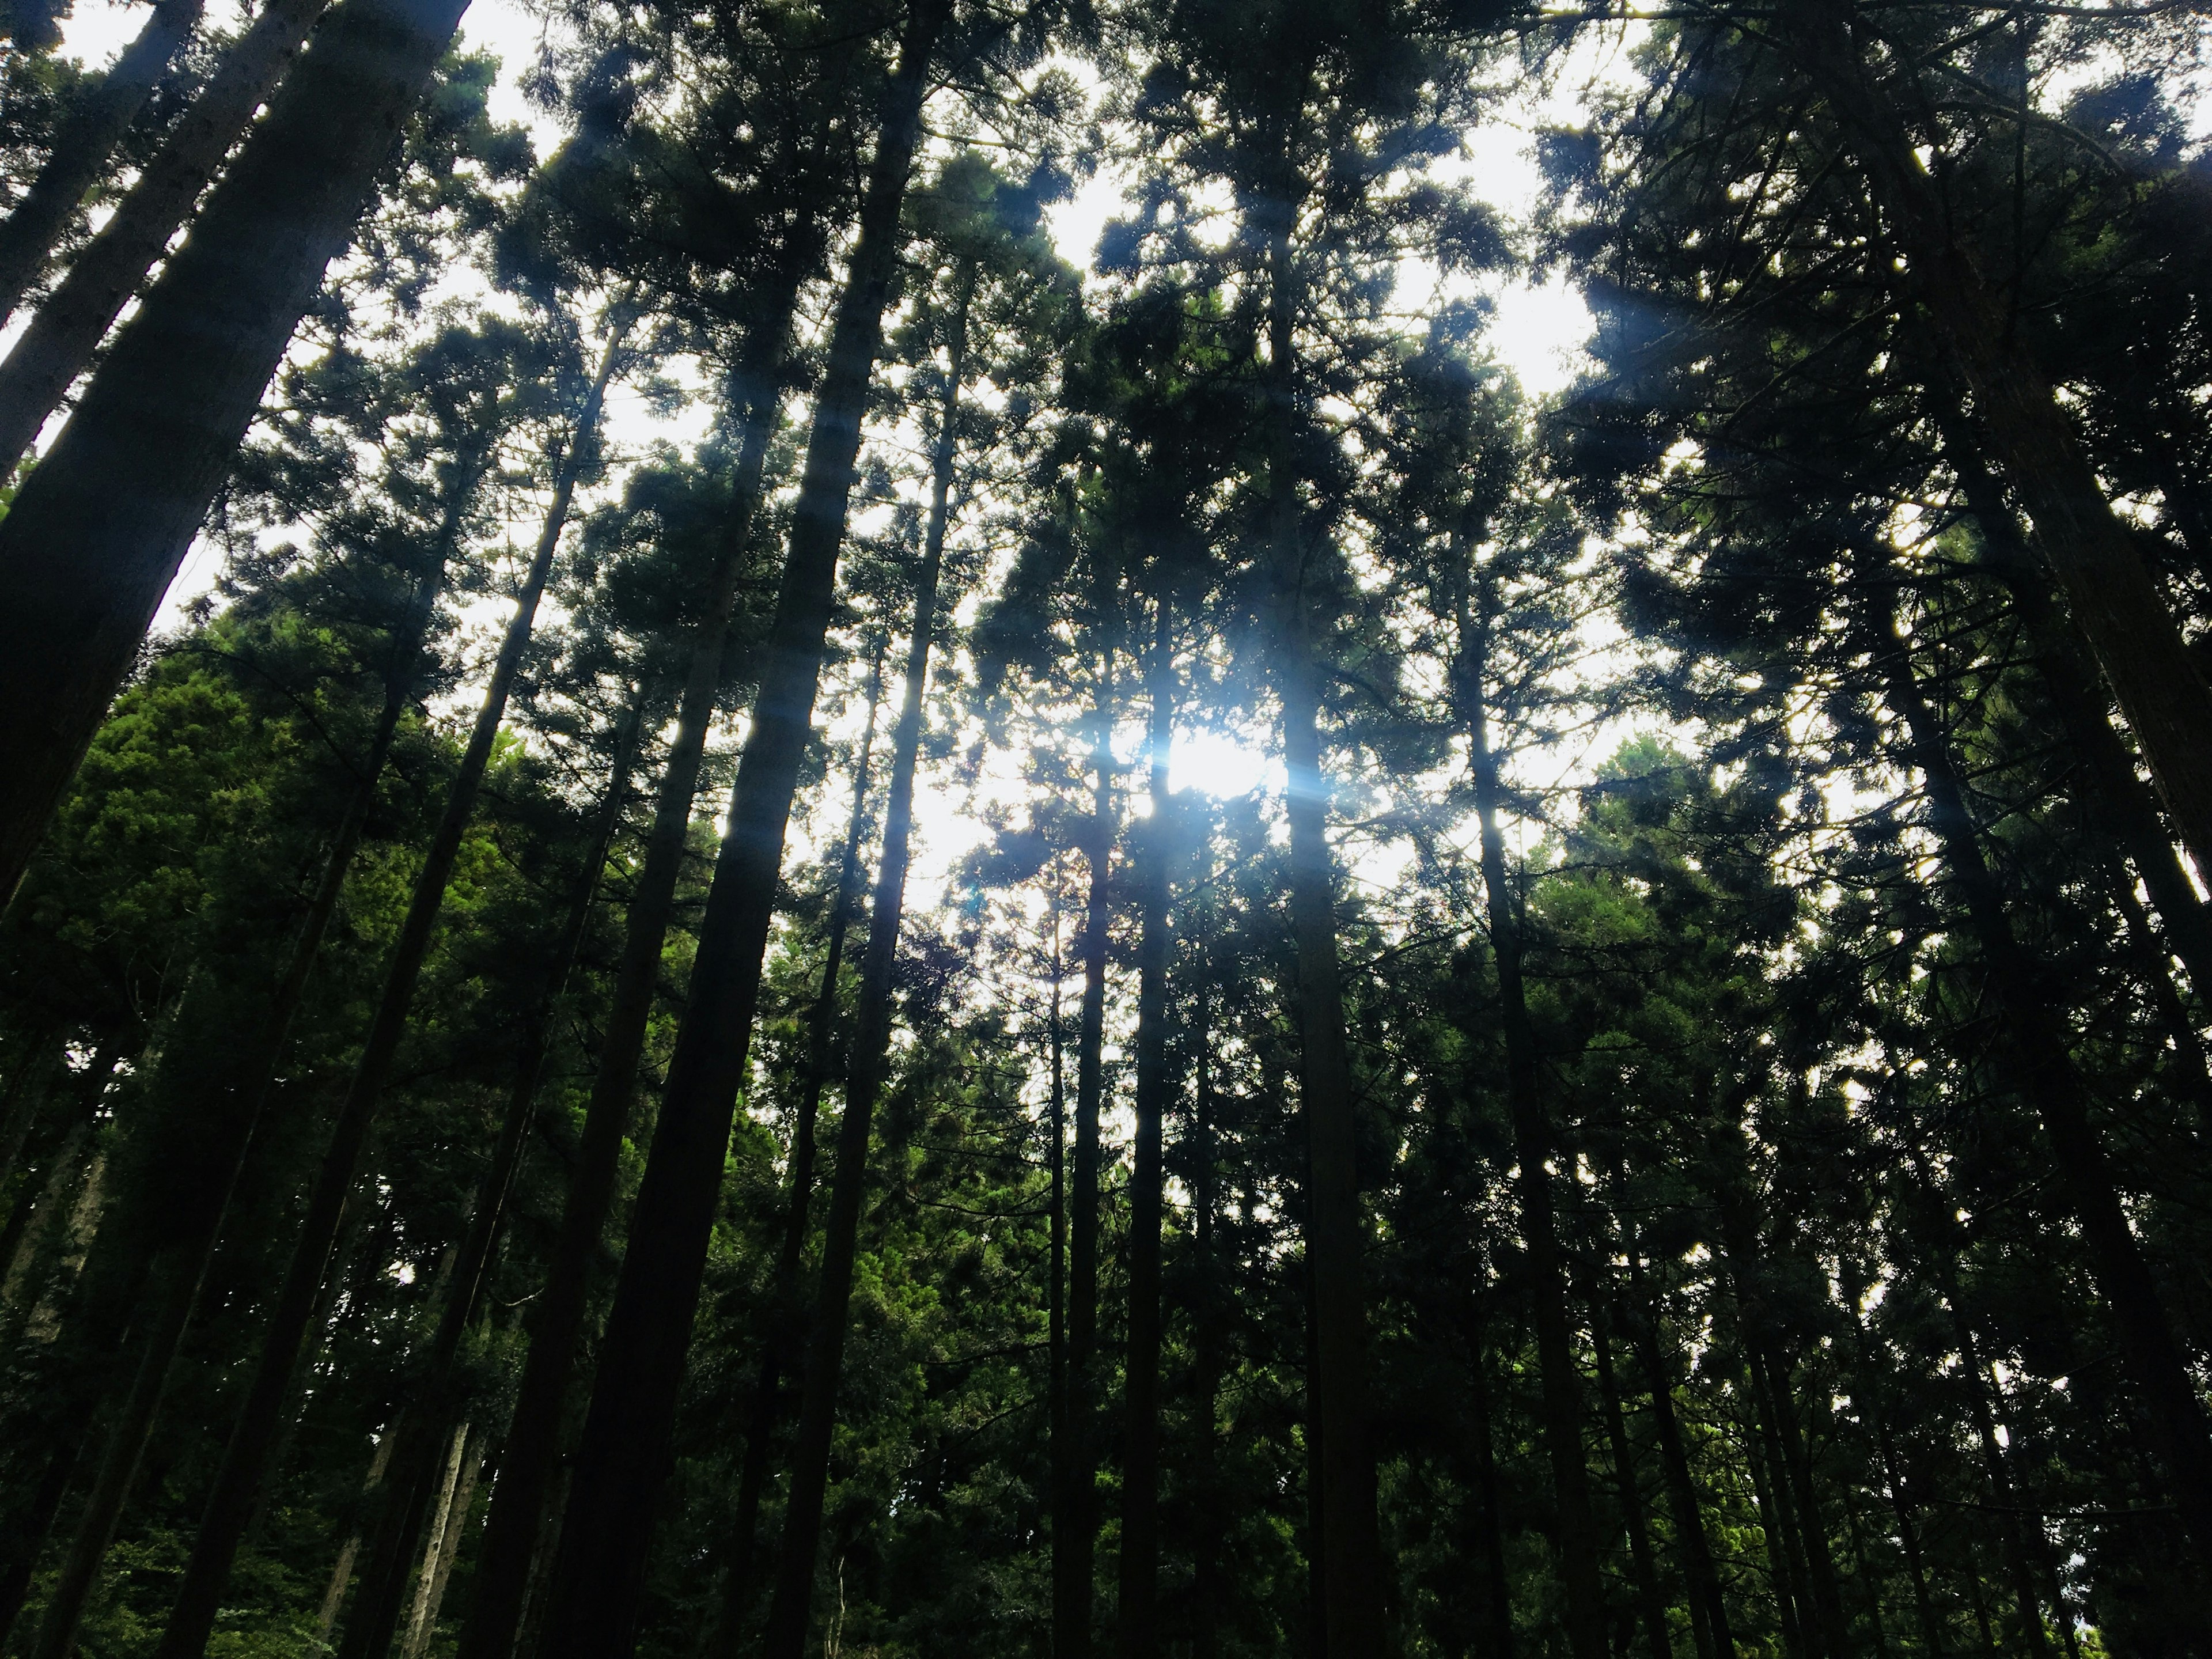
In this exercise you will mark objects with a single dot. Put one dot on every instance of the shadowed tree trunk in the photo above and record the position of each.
(523, 1496)
(70, 322)
(790, 1615)
(82, 148)
(100, 528)
(1651, 1599)
(785, 1308)
(245, 1459)
(623, 1459)
(1138, 1632)
(1532, 1146)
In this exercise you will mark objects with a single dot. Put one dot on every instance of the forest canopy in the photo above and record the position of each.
(835, 827)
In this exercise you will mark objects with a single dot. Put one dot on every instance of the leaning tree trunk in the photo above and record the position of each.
(95, 535)
(433, 1396)
(1075, 1458)
(245, 1459)
(2037, 1066)
(70, 323)
(623, 1459)
(1532, 1146)
(29, 234)
(791, 1606)
(529, 1460)
(788, 1318)
(1138, 1634)
(221, 1064)
(1351, 1541)
(2111, 596)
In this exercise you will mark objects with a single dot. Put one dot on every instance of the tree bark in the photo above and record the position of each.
(1139, 1627)
(522, 1497)
(245, 1462)
(99, 528)
(1651, 1600)
(790, 1615)
(1351, 1562)
(70, 323)
(1489, 1495)
(29, 234)
(623, 1459)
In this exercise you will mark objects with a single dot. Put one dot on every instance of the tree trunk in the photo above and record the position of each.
(2037, 1066)
(1352, 1565)
(1489, 1495)
(1651, 1600)
(521, 1500)
(1812, 1529)
(790, 1615)
(245, 1462)
(1207, 1313)
(623, 1459)
(433, 1397)
(98, 530)
(87, 138)
(342, 1572)
(197, 1166)
(2114, 600)
(444, 1542)
(1532, 1146)
(786, 1316)
(1790, 1603)
(1708, 1603)
(1138, 1631)
(70, 325)
(1075, 1488)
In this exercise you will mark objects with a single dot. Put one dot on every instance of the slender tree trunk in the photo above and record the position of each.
(1489, 1494)
(1075, 1499)
(197, 1167)
(1139, 1631)
(342, 1572)
(1533, 1145)
(1651, 1600)
(623, 1459)
(433, 1547)
(2039, 1068)
(98, 530)
(522, 1499)
(788, 1315)
(1796, 1468)
(790, 1615)
(1708, 1602)
(29, 234)
(435, 1397)
(444, 1542)
(19, 1111)
(1790, 1603)
(1208, 1587)
(1352, 1565)
(2113, 598)
(244, 1462)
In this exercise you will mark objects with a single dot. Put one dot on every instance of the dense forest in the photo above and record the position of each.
(852, 931)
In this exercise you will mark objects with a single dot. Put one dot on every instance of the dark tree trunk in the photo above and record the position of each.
(217, 1076)
(1352, 1559)
(523, 1498)
(1819, 1561)
(1533, 1147)
(623, 1459)
(82, 148)
(1651, 1600)
(99, 528)
(1709, 1616)
(1207, 1311)
(434, 1394)
(790, 1615)
(2113, 599)
(1489, 1495)
(1075, 1500)
(1784, 1568)
(787, 1317)
(70, 323)
(2038, 1067)
(245, 1459)
(1139, 1631)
